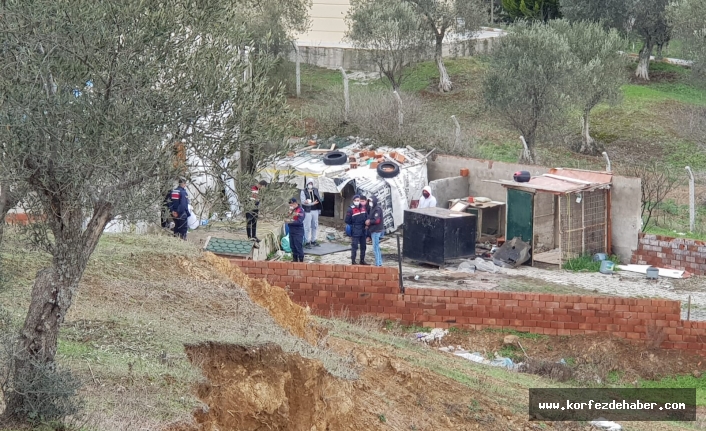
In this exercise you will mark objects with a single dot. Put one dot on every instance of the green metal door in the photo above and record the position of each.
(519, 215)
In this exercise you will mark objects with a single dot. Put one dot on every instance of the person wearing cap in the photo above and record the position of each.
(311, 203)
(427, 200)
(366, 203)
(376, 227)
(252, 214)
(179, 208)
(295, 221)
(356, 217)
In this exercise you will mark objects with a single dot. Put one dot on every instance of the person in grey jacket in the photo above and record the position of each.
(311, 202)
(376, 227)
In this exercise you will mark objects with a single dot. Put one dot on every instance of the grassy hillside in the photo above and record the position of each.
(155, 317)
(654, 123)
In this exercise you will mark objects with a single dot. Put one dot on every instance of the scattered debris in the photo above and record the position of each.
(478, 357)
(606, 425)
(466, 266)
(436, 334)
(663, 272)
(485, 266)
(512, 254)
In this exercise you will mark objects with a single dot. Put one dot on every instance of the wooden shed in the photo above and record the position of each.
(562, 214)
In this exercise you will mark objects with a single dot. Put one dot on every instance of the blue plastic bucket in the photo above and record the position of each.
(607, 266)
(599, 257)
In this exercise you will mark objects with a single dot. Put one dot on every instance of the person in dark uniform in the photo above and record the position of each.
(180, 209)
(251, 216)
(296, 230)
(356, 218)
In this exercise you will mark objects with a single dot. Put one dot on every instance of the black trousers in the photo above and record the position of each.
(251, 226)
(296, 243)
(358, 240)
(181, 227)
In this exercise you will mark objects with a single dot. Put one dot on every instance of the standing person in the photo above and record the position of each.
(296, 230)
(376, 228)
(427, 200)
(180, 209)
(365, 203)
(252, 215)
(356, 218)
(311, 202)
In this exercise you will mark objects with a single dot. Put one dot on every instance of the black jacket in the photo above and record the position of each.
(312, 195)
(377, 223)
(356, 217)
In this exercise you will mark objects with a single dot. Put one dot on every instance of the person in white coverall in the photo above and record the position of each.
(427, 200)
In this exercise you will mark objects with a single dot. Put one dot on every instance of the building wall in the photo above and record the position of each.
(667, 252)
(365, 290)
(625, 193)
(445, 189)
(327, 21)
(625, 215)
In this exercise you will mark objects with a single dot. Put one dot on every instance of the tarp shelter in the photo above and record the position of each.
(562, 214)
(357, 176)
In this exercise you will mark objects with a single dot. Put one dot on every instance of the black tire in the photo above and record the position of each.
(388, 170)
(334, 158)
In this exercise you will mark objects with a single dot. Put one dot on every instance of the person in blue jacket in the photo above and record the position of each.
(356, 218)
(180, 209)
(296, 230)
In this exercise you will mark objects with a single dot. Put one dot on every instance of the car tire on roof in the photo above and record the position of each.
(388, 170)
(333, 158)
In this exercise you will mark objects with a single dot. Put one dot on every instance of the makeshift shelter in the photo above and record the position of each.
(358, 174)
(562, 214)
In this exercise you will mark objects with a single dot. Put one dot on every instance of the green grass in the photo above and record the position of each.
(525, 335)
(676, 91)
(657, 230)
(684, 381)
(586, 264)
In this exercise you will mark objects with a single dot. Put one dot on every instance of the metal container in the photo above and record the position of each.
(652, 273)
(436, 235)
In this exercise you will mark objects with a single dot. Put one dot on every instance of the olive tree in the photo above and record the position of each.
(645, 18)
(527, 82)
(543, 10)
(441, 17)
(391, 34)
(688, 18)
(92, 96)
(599, 71)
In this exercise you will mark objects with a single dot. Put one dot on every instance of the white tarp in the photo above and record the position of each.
(394, 194)
(663, 272)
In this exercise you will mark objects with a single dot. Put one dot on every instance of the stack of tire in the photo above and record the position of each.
(384, 169)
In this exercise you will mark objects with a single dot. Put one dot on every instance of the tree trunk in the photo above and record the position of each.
(658, 56)
(528, 155)
(52, 295)
(445, 84)
(643, 64)
(588, 144)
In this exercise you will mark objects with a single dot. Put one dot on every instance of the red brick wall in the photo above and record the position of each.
(668, 252)
(358, 290)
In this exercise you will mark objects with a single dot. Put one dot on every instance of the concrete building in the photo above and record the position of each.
(324, 45)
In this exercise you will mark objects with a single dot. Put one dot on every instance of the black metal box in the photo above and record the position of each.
(436, 235)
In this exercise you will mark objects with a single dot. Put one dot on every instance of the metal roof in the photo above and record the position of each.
(564, 181)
